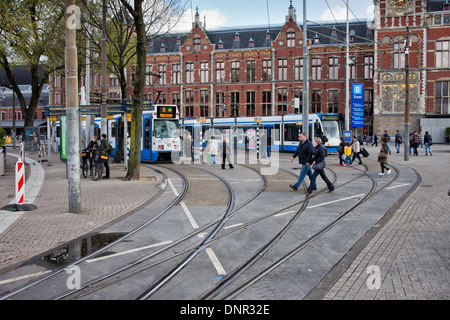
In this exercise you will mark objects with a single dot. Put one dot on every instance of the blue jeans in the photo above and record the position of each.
(397, 146)
(427, 148)
(306, 171)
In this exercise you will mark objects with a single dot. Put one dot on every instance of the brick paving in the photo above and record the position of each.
(50, 225)
(412, 249)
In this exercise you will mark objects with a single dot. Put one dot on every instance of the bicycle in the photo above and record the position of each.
(85, 156)
(97, 171)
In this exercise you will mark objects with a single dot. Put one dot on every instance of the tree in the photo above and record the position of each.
(30, 34)
(121, 52)
(155, 16)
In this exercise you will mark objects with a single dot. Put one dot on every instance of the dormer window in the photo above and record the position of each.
(220, 44)
(237, 36)
(316, 38)
(162, 48)
(178, 41)
(268, 35)
(334, 32)
(251, 43)
(150, 43)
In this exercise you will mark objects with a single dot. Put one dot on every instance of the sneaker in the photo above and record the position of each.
(431, 153)
(389, 171)
(381, 174)
(352, 165)
(293, 187)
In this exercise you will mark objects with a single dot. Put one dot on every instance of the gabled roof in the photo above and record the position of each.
(227, 37)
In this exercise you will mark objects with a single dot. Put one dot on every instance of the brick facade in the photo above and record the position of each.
(259, 71)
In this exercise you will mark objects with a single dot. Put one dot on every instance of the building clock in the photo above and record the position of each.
(399, 5)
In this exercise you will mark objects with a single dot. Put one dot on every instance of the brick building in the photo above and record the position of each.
(257, 71)
(428, 23)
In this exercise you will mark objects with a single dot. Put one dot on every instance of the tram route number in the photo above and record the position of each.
(227, 309)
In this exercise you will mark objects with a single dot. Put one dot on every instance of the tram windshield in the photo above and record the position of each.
(331, 129)
(166, 129)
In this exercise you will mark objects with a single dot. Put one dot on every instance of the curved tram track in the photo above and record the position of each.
(191, 250)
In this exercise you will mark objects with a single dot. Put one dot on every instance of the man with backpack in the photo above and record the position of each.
(105, 149)
(398, 141)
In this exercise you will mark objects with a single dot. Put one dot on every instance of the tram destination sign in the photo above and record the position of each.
(166, 112)
(357, 105)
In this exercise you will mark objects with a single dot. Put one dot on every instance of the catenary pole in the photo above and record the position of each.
(72, 110)
(104, 107)
(406, 135)
(347, 76)
(305, 109)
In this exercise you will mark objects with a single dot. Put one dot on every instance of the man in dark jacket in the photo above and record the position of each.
(105, 149)
(304, 153)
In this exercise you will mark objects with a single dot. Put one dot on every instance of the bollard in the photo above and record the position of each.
(20, 182)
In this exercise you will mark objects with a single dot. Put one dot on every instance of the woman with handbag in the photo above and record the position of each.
(382, 157)
(319, 167)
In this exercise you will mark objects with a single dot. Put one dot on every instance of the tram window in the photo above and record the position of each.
(331, 129)
(276, 136)
(291, 132)
(165, 129)
(113, 129)
(147, 134)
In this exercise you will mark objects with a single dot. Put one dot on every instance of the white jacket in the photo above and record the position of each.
(213, 147)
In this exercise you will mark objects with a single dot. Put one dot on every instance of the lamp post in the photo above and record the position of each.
(406, 44)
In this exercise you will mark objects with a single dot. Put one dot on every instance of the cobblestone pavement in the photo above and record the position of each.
(409, 257)
(50, 225)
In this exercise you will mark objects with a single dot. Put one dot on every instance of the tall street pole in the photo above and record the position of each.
(347, 77)
(72, 111)
(305, 110)
(104, 106)
(406, 135)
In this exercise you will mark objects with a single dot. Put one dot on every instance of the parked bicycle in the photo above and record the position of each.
(99, 160)
(85, 156)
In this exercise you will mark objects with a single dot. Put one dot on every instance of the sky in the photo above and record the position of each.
(231, 13)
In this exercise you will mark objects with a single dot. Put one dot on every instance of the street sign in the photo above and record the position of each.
(347, 136)
(357, 105)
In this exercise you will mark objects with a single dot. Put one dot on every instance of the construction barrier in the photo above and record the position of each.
(20, 182)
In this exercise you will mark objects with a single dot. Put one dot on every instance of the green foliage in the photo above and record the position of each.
(447, 132)
(2, 137)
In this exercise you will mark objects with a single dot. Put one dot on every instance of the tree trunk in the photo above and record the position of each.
(134, 166)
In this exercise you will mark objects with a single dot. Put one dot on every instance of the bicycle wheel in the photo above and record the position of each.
(97, 172)
(84, 168)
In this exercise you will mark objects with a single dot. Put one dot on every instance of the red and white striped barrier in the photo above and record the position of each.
(20, 182)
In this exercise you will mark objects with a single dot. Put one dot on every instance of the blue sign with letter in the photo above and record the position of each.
(347, 135)
(357, 104)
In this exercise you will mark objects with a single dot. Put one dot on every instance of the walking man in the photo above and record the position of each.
(226, 153)
(305, 154)
(398, 141)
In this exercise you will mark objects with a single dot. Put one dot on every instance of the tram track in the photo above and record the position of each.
(110, 245)
(191, 252)
(225, 283)
(197, 247)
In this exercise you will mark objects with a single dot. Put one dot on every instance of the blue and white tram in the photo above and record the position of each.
(282, 131)
(332, 129)
(160, 132)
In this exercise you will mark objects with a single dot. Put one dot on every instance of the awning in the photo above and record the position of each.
(20, 123)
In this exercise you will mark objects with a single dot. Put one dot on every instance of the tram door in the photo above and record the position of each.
(146, 152)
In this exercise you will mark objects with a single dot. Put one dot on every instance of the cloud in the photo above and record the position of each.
(214, 19)
(340, 13)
